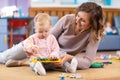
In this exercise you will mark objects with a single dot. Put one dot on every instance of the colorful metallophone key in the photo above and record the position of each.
(44, 60)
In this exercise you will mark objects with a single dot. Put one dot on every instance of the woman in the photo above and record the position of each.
(82, 31)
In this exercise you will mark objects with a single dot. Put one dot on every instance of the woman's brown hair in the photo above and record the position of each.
(96, 18)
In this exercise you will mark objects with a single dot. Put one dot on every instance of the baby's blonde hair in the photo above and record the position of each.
(41, 19)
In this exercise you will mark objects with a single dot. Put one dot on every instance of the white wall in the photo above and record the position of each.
(34, 2)
(3, 3)
(115, 3)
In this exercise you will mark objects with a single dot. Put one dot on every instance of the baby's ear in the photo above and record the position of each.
(35, 18)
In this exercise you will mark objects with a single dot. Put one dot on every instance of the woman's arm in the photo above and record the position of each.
(84, 61)
(58, 28)
(88, 57)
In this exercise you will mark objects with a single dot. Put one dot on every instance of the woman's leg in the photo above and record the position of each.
(16, 52)
(15, 63)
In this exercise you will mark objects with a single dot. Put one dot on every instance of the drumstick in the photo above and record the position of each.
(33, 46)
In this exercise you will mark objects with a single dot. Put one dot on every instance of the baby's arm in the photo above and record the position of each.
(29, 47)
(54, 48)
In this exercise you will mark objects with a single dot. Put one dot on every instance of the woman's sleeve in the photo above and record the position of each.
(58, 28)
(85, 61)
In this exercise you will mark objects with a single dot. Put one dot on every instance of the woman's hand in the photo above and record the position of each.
(64, 58)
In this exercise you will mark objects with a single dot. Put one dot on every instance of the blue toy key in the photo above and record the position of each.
(62, 78)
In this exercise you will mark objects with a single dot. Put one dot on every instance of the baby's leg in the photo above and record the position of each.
(73, 65)
(66, 64)
(38, 68)
(16, 52)
(70, 66)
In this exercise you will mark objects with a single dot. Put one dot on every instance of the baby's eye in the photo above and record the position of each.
(40, 31)
(46, 31)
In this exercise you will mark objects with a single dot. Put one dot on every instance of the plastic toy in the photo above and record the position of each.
(105, 57)
(62, 76)
(107, 62)
(44, 60)
(118, 54)
(116, 59)
(76, 76)
(97, 65)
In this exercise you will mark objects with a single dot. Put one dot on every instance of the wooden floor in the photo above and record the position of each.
(109, 72)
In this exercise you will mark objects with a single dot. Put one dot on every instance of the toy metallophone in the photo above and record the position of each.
(44, 60)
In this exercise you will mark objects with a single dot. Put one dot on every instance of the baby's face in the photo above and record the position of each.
(43, 30)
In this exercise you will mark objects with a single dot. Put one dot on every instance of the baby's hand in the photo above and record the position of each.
(32, 51)
(38, 55)
(35, 49)
(53, 56)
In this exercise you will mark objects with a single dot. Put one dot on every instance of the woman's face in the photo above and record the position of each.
(82, 21)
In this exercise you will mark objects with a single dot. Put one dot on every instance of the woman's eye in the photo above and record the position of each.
(83, 20)
(77, 16)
